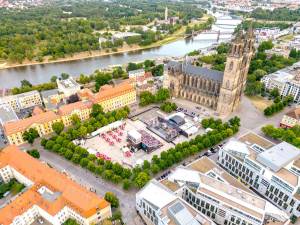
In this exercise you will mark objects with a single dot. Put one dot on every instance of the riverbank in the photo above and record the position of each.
(177, 35)
(75, 57)
(93, 54)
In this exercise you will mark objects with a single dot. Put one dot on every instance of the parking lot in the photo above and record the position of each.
(194, 109)
(3, 140)
(115, 152)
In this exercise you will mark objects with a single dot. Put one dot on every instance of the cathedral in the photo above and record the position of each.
(220, 91)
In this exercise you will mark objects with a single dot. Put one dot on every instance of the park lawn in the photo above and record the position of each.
(288, 37)
(260, 102)
(179, 34)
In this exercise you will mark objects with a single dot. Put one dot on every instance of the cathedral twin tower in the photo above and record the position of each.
(217, 90)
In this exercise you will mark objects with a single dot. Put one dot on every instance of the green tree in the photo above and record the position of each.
(96, 110)
(84, 162)
(70, 222)
(126, 184)
(82, 131)
(58, 127)
(53, 79)
(75, 119)
(64, 76)
(141, 179)
(25, 83)
(162, 95)
(68, 154)
(274, 92)
(101, 79)
(30, 135)
(112, 199)
(265, 45)
(91, 166)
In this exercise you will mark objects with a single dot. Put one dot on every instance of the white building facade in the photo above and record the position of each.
(159, 206)
(272, 171)
(68, 86)
(222, 202)
(287, 81)
(23, 101)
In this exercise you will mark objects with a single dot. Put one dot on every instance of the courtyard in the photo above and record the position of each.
(114, 145)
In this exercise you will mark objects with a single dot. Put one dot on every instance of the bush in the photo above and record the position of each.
(168, 107)
(34, 153)
(117, 215)
(293, 219)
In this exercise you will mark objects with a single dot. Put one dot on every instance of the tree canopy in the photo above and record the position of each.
(30, 135)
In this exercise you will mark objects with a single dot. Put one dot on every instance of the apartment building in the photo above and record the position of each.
(112, 97)
(286, 80)
(272, 170)
(42, 122)
(48, 194)
(291, 118)
(82, 109)
(158, 205)
(22, 101)
(68, 86)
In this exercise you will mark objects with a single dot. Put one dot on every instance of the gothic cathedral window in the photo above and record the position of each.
(227, 84)
(231, 66)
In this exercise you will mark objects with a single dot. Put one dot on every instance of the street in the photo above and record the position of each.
(253, 120)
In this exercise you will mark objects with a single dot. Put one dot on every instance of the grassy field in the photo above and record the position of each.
(179, 34)
(287, 37)
(259, 102)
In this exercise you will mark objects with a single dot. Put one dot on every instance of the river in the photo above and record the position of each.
(41, 73)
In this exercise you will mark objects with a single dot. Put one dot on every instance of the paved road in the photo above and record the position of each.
(89, 180)
(253, 120)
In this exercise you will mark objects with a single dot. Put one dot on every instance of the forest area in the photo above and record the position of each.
(60, 29)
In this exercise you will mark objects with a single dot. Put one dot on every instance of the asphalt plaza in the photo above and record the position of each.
(116, 154)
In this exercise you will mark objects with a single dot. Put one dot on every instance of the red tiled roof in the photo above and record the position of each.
(72, 194)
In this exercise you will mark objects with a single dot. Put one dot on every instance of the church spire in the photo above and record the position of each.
(166, 13)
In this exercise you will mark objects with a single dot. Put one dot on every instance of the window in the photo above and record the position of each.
(292, 202)
(231, 66)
